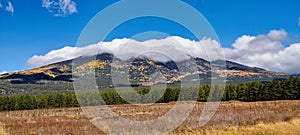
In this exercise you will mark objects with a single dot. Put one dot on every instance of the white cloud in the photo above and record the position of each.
(1, 5)
(60, 7)
(175, 48)
(3, 72)
(265, 51)
(10, 7)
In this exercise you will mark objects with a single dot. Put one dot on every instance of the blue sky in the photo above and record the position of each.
(31, 29)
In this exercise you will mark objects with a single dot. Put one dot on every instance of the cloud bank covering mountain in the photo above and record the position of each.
(266, 51)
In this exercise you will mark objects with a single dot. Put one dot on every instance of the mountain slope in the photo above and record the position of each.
(140, 71)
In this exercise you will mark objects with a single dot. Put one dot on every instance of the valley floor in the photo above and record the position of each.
(232, 118)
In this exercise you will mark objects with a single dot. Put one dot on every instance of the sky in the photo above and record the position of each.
(257, 33)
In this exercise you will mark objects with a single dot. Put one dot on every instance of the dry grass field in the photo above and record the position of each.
(232, 118)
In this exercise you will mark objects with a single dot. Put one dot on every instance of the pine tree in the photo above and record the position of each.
(277, 90)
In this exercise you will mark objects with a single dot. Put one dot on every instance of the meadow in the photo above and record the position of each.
(232, 117)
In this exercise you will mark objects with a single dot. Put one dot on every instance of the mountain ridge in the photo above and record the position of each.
(103, 63)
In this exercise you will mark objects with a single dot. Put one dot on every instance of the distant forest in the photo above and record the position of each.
(285, 89)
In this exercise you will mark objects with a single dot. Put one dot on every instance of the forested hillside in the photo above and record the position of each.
(286, 89)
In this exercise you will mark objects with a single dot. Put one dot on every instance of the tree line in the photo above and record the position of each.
(30, 102)
(285, 89)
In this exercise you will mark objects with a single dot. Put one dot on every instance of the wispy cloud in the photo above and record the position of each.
(10, 7)
(60, 7)
(299, 21)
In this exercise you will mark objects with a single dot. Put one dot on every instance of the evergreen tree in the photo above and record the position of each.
(277, 90)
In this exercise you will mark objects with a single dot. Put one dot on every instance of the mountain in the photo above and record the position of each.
(140, 70)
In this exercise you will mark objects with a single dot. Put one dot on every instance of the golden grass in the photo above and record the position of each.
(291, 127)
(232, 118)
(3, 129)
